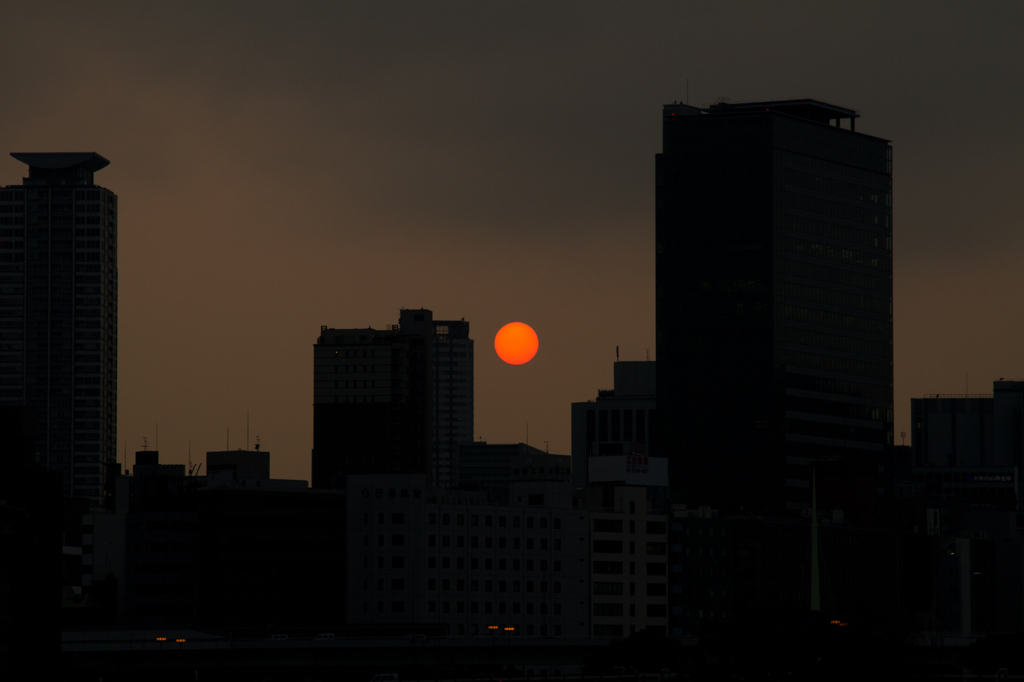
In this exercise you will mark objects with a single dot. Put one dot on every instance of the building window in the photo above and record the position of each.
(432, 585)
(397, 540)
(397, 584)
(431, 607)
(397, 562)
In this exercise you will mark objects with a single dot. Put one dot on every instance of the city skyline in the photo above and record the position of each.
(249, 213)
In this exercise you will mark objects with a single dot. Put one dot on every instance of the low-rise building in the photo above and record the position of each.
(419, 555)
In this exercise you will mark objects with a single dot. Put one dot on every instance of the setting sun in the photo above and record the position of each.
(516, 343)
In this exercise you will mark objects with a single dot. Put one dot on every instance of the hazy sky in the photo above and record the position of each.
(281, 166)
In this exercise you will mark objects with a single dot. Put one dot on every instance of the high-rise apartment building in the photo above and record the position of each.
(373, 400)
(774, 301)
(453, 396)
(58, 313)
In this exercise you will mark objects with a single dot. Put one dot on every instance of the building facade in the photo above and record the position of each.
(620, 423)
(421, 555)
(628, 566)
(453, 396)
(773, 301)
(373, 400)
(58, 314)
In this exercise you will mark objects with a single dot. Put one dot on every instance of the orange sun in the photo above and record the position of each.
(516, 343)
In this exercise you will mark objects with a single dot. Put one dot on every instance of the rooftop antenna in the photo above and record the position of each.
(247, 429)
(547, 447)
(257, 443)
(145, 445)
(616, 353)
(228, 446)
(527, 433)
(687, 92)
(903, 435)
(648, 355)
(158, 436)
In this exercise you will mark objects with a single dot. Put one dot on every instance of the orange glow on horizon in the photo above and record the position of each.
(516, 343)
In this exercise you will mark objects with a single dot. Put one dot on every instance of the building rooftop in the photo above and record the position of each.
(91, 161)
(810, 109)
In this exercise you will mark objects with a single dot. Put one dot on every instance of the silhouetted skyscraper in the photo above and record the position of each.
(774, 301)
(58, 313)
(373, 404)
(453, 396)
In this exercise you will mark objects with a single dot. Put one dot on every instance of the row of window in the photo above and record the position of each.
(615, 526)
(874, 179)
(837, 276)
(848, 190)
(474, 563)
(873, 304)
(614, 610)
(848, 344)
(616, 568)
(835, 253)
(616, 547)
(474, 542)
(826, 318)
(653, 589)
(513, 608)
(829, 363)
(488, 520)
(474, 585)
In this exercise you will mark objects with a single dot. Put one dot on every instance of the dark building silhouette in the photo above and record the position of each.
(30, 547)
(58, 313)
(774, 302)
(621, 422)
(453, 396)
(373, 400)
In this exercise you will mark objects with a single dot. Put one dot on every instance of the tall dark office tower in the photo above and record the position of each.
(453, 396)
(58, 313)
(773, 303)
(373, 402)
